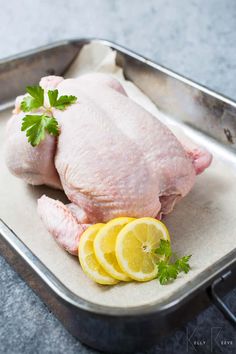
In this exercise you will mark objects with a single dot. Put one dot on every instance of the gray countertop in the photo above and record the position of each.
(196, 38)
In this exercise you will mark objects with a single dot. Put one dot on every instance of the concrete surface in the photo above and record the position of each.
(196, 38)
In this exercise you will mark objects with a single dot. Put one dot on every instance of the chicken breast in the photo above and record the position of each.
(113, 159)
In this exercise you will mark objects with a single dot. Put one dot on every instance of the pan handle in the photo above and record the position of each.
(219, 302)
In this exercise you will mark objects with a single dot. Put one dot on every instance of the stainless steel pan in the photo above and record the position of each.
(107, 328)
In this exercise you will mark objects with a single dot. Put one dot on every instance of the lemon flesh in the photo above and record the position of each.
(135, 247)
(88, 260)
(104, 247)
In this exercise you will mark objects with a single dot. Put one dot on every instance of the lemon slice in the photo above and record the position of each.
(88, 260)
(104, 247)
(134, 248)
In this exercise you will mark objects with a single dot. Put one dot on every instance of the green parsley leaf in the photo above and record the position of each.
(28, 104)
(164, 248)
(36, 126)
(34, 100)
(166, 272)
(182, 264)
(63, 102)
(52, 95)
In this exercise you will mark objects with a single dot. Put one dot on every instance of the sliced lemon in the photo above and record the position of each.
(135, 247)
(88, 260)
(104, 247)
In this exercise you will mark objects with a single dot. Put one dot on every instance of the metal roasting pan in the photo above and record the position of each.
(125, 329)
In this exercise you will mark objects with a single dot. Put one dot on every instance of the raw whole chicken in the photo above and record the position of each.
(112, 158)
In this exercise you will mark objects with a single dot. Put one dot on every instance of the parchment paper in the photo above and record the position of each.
(203, 224)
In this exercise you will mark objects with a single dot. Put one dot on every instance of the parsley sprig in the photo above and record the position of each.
(36, 125)
(168, 270)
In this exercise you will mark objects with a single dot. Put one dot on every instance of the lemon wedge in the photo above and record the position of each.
(104, 247)
(88, 260)
(135, 247)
